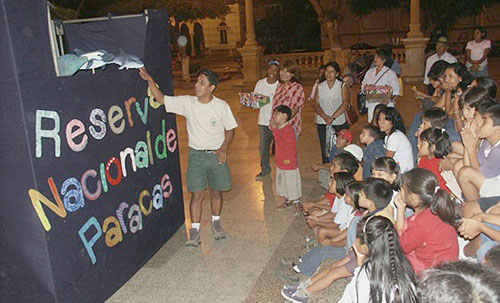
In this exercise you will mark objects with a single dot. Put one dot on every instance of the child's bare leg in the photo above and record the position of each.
(470, 250)
(470, 180)
(316, 212)
(332, 274)
(280, 202)
(324, 233)
(471, 208)
(457, 148)
(457, 166)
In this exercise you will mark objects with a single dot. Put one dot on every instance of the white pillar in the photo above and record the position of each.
(251, 51)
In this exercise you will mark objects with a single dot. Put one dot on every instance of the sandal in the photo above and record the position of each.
(281, 206)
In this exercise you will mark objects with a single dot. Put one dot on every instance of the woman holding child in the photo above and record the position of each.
(330, 103)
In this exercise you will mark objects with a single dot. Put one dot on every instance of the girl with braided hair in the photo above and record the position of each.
(428, 237)
(384, 274)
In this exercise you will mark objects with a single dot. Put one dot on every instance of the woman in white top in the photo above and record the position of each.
(381, 75)
(383, 274)
(477, 53)
(330, 103)
(397, 144)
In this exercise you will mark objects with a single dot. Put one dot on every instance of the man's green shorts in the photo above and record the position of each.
(204, 166)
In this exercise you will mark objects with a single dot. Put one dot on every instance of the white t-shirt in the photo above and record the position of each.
(266, 89)
(433, 59)
(358, 289)
(389, 78)
(342, 211)
(205, 122)
(399, 143)
(477, 51)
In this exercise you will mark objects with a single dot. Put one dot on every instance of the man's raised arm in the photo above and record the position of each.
(157, 93)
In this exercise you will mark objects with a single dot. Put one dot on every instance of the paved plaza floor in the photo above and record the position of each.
(242, 267)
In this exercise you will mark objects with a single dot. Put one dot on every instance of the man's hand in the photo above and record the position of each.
(221, 154)
(144, 74)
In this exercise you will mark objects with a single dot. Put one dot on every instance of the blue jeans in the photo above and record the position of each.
(319, 253)
(266, 137)
(488, 243)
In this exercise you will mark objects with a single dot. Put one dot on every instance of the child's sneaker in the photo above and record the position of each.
(292, 286)
(194, 238)
(217, 230)
(288, 273)
(296, 296)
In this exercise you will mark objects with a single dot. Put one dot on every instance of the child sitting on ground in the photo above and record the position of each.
(468, 102)
(332, 224)
(434, 145)
(428, 237)
(459, 282)
(374, 147)
(387, 169)
(309, 262)
(344, 138)
(484, 155)
(437, 118)
(396, 143)
(378, 254)
(343, 163)
(288, 183)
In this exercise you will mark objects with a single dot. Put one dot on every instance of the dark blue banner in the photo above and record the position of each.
(90, 183)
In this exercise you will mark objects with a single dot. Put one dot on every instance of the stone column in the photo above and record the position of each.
(193, 49)
(415, 44)
(251, 51)
(250, 24)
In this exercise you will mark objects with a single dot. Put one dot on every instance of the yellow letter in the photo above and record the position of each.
(37, 199)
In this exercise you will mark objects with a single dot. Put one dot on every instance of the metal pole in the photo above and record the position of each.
(102, 18)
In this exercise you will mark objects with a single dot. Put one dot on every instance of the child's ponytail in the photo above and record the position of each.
(443, 207)
(439, 139)
(424, 183)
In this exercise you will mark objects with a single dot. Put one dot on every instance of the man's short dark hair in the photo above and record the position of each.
(377, 190)
(212, 77)
(285, 110)
(436, 116)
(494, 113)
(347, 162)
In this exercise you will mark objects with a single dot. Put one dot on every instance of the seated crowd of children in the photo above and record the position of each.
(415, 216)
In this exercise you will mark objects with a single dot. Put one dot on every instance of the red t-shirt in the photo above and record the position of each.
(433, 165)
(427, 241)
(331, 198)
(286, 147)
